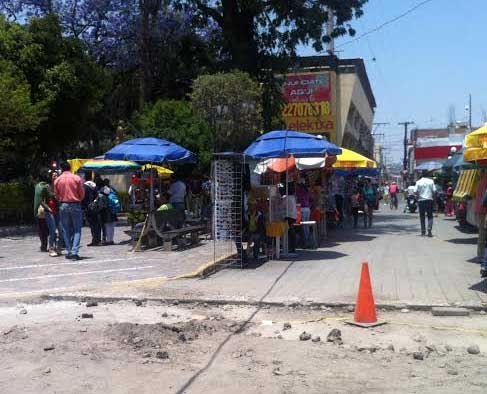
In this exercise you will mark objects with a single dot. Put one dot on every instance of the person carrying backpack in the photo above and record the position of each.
(92, 208)
(109, 214)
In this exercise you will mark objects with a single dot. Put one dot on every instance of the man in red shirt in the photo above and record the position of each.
(69, 192)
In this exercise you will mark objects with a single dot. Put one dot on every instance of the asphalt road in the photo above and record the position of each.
(405, 268)
(25, 270)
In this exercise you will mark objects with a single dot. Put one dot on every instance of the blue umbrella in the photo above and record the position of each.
(150, 150)
(284, 143)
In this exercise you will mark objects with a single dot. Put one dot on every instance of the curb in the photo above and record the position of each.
(218, 302)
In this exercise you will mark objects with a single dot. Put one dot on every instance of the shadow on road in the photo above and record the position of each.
(346, 236)
(314, 255)
(481, 286)
(463, 241)
(467, 229)
(474, 260)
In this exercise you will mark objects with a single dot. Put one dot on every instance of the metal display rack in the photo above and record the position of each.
(228, 193)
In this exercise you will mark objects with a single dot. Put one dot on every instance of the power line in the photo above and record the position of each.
(390, 21)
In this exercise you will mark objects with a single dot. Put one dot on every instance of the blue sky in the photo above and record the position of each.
(425, 62)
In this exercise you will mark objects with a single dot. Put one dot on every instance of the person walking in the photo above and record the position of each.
(41, 191)
(386, 193)
(356, 201)
(425, 191)
(370, 201)
(52, 217)
(70, 192)
(393, 189)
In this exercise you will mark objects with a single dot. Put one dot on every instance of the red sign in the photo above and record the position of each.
(309, 103)
(307, 88)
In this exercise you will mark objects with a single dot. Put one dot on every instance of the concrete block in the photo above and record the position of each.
(449, 311)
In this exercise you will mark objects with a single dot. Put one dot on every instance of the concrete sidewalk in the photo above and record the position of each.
(406, 269)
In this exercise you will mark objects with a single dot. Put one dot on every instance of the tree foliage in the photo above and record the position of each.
(231, 103)
(153, 47)
(55, 78)
(72, 71)
(175, 121)
(19, 116)
(255, 30)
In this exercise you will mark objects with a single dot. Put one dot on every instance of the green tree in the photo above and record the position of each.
(56, 79)
(19, 116)
(231, 104)
(175, 121)
(256, 30)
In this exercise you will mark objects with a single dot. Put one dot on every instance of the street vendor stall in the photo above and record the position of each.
(285, 148)
(471, 183)
(476, 152)
(155, 151)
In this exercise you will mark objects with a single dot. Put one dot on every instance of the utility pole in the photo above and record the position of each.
(405, 161)
(469, 113)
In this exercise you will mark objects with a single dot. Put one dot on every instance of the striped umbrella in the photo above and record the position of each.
(110, 166)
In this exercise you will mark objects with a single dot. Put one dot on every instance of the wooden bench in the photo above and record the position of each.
(179, 235)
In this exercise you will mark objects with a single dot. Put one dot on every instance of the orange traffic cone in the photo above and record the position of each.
(365, 313)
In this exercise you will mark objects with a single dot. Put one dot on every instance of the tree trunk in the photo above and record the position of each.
(239, 29)
(149, 10)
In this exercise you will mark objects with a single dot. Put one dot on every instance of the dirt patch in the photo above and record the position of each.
(201, 349)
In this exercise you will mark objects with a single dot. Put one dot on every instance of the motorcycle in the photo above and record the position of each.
(412, 203)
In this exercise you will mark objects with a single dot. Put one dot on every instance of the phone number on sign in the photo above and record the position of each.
(307, 109)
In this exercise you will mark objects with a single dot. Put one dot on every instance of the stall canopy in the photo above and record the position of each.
(466, 185)
(76, 164)
(285, 143)
(351, 159)
(109, 166)
(430, 165)
(304, 163)
(370, 172)
(150, 150)
(163, 172)
(476, 144)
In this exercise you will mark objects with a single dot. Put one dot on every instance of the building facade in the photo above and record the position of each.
(332, 97)
(430, 148)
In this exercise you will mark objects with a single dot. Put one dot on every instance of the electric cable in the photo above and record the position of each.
(386, 23)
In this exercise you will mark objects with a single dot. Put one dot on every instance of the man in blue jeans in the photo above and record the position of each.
(70, 192)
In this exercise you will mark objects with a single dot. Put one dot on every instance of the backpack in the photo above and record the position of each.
(95, 206)
(114, 203)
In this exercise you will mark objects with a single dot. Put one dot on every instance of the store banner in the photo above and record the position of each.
(309, 103)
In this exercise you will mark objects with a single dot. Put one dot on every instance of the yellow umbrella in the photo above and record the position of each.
(76, 164)
(163, 172)
(351, 159)
(477, 138)
(476, 144)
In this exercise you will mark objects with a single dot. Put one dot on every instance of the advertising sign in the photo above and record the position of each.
(309, 106)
